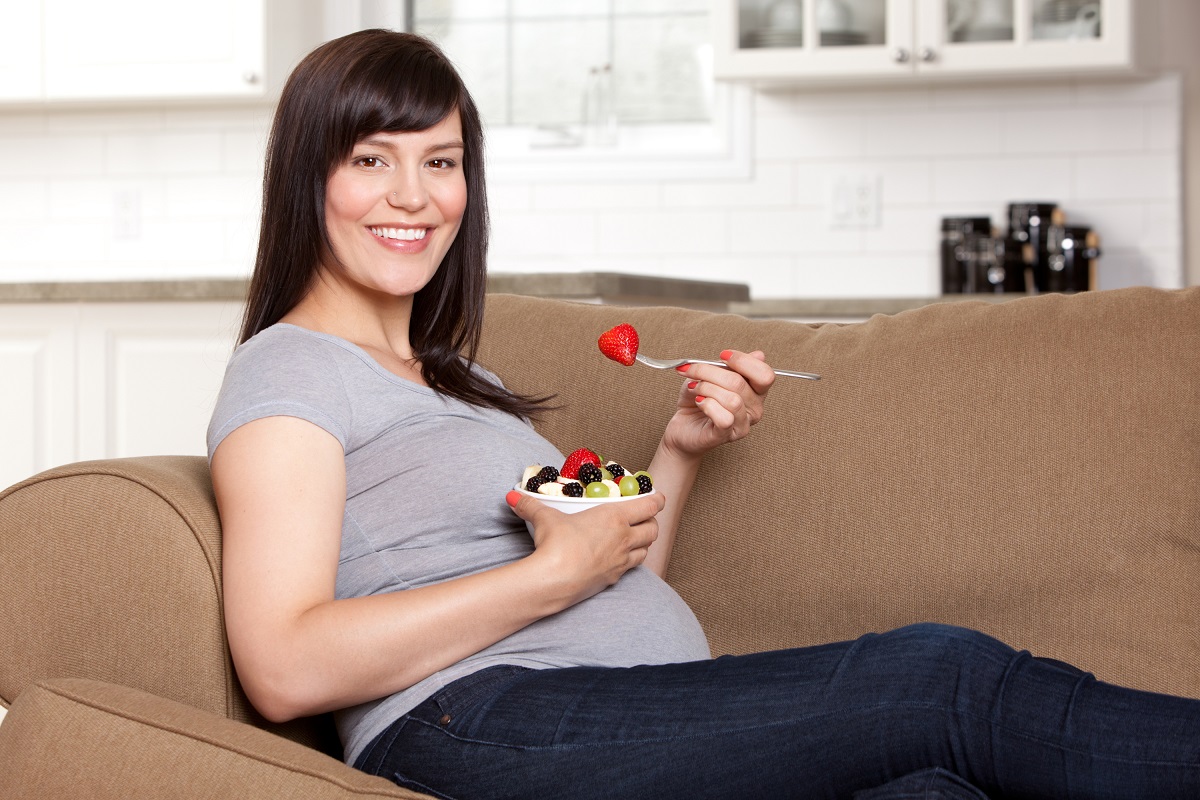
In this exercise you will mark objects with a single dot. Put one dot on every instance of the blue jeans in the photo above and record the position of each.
(882, 716)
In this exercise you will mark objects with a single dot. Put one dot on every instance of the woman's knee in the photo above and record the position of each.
(940, 646)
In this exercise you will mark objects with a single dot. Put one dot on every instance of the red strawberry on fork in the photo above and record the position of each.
(619, 343)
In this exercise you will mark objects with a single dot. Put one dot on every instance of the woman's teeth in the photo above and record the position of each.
(407, 234)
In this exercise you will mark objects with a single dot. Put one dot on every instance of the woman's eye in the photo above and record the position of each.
(442, 163)
(368, 161)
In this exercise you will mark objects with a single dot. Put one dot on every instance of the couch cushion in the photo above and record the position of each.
(88, 739)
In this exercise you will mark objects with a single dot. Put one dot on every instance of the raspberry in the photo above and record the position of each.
(589, 473)
(644, 484)
(573, 489)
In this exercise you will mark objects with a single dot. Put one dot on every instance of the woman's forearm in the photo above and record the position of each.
(673, 475)
(344, 652)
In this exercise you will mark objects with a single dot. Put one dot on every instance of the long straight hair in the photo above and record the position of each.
(364, 83)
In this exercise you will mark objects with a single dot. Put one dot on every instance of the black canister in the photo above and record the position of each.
(1072, 251)
(1029, 223)
(956, 275)
(993, 265)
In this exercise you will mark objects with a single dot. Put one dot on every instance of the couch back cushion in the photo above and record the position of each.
(1029, 468)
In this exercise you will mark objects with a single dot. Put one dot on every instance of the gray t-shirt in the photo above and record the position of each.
(426, 477)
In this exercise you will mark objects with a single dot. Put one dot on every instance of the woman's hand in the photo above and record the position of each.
(718, 405)
(591, 550)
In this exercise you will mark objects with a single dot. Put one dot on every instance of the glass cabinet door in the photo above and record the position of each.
(830, 23)
(813, 40)
(1066, 20)
(835, 37)
(1030, 36)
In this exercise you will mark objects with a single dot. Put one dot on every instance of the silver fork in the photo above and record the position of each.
(672, 363)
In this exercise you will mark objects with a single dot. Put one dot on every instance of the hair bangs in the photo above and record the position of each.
(395, 92)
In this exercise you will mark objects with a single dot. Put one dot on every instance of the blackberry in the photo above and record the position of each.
(589, 473)
(573, 489)
(644, 484)
(549, 473)
(616, 469)
(535, 483)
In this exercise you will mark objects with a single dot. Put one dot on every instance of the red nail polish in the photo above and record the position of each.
(683, 368)
(512, 497)
(693, 384)
(700, 398)
(726, 355)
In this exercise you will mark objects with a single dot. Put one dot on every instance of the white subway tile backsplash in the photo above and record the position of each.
(1164, 128)
(1162, 90)
(932, 133)
(771, 185)
(24, 200)
(809, 136)
(664, 233)
(50, 156)
(596, 196)
(799, 231)
(999, 180)
(1073, 130)
(175, 192)
(163, 154)
(561, 235)
(203, 197)
(1151, 176)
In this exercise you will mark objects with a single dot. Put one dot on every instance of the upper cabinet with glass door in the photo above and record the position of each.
(798, 41)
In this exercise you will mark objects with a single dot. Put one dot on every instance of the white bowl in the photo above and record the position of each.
(572, 505)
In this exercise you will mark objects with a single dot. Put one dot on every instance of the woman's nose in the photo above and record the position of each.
(409, 193)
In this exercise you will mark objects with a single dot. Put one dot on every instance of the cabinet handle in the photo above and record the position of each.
(928, 54)
(900, 55)
(249, 76)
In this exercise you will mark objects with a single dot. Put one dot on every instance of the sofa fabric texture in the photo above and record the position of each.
(170, 750)
(1029, 468)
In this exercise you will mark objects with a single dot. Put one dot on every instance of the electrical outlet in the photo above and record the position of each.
(852, 200)
(127, 214)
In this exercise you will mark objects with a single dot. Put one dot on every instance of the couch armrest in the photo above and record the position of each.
(83, 738)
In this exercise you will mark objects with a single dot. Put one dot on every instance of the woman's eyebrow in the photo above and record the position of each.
(385, 144)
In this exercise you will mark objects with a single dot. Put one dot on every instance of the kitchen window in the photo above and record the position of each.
(603, 89)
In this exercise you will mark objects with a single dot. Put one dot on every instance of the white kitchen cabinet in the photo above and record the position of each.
(129, 50)
(108, 380)
(832, 41)
(20, 51)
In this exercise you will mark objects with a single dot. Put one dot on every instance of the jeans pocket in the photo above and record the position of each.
(456, 705)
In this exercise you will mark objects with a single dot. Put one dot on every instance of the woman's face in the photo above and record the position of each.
(394, 206)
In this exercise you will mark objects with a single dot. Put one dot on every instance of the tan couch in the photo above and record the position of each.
(1029, 468)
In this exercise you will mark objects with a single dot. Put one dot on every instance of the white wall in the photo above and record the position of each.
(148, 193)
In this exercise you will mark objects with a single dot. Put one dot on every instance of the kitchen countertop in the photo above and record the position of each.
(592, 287)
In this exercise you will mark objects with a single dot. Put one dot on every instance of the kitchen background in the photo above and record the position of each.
(169, 191)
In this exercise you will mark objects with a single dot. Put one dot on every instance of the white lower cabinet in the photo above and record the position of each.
(108, 380)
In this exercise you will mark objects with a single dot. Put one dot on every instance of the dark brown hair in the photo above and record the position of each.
(370, 82)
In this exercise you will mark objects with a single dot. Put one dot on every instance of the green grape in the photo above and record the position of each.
(596, 489)
(629, 486)
(605, 474)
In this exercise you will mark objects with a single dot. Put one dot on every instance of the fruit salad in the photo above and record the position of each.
(585, 474)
